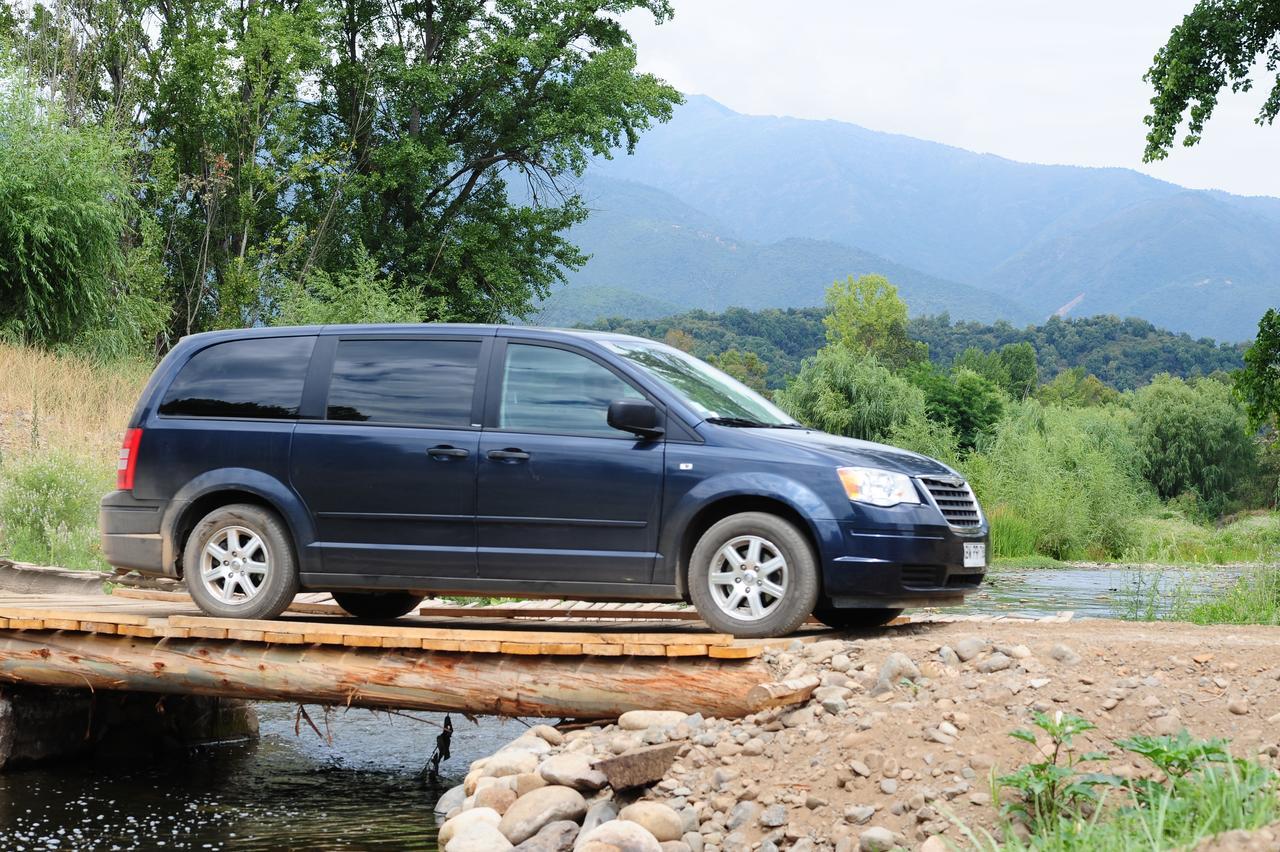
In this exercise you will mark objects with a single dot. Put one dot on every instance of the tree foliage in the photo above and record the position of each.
(746, 367)
(850, 393)
(966, 402)
(866, 315)
(1193, 437)
(1258, 384)
(277, 141)
(1215, 47)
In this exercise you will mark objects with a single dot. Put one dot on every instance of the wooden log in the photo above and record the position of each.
(585, 687)
(778, 693)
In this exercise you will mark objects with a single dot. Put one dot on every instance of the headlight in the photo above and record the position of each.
(877, 487)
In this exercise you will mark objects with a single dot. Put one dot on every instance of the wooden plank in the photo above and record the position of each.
(362, 641)
(101, 627)
(520, 647)
(26, 623)
(136, 630)
(40, 613)
(283, 638)
(568, 649)
(245, 635)
(509, 611)
(480, 646)
(734, 652)
(641, 649)
(61, 624)
(686, 650)
(441, 645)
(204, 632)
(597, 649)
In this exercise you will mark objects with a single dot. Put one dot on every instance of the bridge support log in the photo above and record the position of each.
(584, 687)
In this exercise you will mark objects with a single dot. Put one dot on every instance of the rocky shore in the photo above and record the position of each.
(895, 747)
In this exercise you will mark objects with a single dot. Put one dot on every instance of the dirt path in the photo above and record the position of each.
(899, 743)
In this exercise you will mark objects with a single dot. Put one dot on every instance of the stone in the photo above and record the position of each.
(620, 835)
(510, 761)
(1064, 654)
(641, 720)
(948, 656)
(524, 782)
(1239, 705)
(969, 647)
(876, 839)
(451, 799)
(888, 786)
(496, 797)
(694, 841)
(934, 844)
(479, 837)
(645, 765)
(572, 770)
(658, 819)
(743, 813)
(773, 816)
(599, 812)
(676, 846)
(464, 820)
(553, 837)
(547, 733)
(859, 814)
(538, 807)
(997, 662)
(527, 742)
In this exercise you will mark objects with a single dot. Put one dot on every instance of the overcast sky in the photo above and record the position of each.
(1043, 82)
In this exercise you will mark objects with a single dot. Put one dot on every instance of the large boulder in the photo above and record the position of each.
(474, 816)
(479, 837)
(510, 761)
(538, 807)
(658, 819)
(572, 770)
(618, 836)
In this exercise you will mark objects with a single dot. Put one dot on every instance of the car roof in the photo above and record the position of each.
(424, 329)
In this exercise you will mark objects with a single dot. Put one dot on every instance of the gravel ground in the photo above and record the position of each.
(894, 749)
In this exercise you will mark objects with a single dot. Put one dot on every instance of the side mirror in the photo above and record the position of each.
(638, 416)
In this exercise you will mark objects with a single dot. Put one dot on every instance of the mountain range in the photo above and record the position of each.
(718, 209)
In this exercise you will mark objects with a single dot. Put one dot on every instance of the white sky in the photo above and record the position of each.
(1031, 80)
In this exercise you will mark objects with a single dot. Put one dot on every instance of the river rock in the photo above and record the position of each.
(451, 799)
(547, 733)
(462, 821)
(553, 837)
(527, 742)
(997, 662)
(742, 814)
(536, 808)
(640, 720)
(599, 813)
(495, 796)
(572, 770)
(658, 819)
(644, 765)
(620, 835)
(480, 837)
(876, 839)
(510, 761)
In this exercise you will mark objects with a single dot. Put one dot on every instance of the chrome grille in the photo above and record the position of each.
(954, 499)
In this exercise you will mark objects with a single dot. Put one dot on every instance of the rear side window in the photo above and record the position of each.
(260, 377)
(554, 390)
(410, 382)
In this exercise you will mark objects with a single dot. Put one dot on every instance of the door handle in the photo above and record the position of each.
(509, 454)
(447, 452)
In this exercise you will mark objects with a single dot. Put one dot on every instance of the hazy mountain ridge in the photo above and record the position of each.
(1032, 236)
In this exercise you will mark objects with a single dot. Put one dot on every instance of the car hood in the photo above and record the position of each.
(853, 451)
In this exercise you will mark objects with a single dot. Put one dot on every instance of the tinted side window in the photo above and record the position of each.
(262, 377)
(420, 382)
(552, 390)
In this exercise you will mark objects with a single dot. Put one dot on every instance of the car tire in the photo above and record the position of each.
(723, 578)
(258, 574)
(378, 605)
(855, 619)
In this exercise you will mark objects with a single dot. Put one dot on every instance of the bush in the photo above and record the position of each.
(48, 511)
(1063, 478)
(359, 295)
(1193, 437)
(965, 402)
(847, 393)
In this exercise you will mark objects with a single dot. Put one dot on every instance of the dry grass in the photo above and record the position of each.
(65, 402)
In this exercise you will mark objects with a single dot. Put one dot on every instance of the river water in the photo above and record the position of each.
(358, 788)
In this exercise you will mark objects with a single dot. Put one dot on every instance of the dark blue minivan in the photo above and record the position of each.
(387, 463)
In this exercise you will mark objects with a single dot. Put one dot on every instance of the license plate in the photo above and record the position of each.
(975, 555)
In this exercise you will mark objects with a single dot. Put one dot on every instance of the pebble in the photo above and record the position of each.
(997, 662)
(876, 839)
(859, 814)
(969, 647)
(1239, 705)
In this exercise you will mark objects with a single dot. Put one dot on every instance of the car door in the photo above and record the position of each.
(389, 473)
(563, 496)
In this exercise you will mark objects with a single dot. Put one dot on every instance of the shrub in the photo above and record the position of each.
(1192, 437)
(967, 403)
(847, 393)
(359, 295)
(48, 510)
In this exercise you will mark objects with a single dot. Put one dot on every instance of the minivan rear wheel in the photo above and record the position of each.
(753, 575)
(238, 563)
(380, 605)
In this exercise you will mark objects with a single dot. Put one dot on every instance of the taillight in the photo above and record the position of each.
(128, 459)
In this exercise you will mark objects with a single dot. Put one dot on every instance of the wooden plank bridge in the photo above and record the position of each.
(567, 659)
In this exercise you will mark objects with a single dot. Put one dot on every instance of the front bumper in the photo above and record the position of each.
(130, 530)
(900, 568)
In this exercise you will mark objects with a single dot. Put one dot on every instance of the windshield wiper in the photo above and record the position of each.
(741, 422)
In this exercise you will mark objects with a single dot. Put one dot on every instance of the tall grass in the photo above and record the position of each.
(61, 418)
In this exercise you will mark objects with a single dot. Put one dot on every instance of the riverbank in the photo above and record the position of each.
(899, 744)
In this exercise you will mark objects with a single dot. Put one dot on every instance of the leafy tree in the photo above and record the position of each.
(356, 296)
(968, 404)
(678, 339)
(1192, 437)
(746, 367)
(849, 393)
(1019, 360)
(1217, 45)
(1074, 388)
(866, 315)
(65, 198)
(1258, 384)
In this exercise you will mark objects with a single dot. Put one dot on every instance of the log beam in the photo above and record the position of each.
(583, 687)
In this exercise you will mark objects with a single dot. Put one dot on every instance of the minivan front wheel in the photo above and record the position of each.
(239, 563)
(753, 575)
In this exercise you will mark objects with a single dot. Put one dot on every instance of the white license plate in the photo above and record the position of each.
(975, 555)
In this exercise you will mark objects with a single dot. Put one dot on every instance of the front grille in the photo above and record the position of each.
(955, 500)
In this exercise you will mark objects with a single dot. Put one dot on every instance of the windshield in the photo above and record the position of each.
(711, 393)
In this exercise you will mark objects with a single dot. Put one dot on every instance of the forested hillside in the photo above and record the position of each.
(1124, 353)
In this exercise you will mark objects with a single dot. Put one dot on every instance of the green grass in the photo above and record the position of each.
(48, 510)
(1173, 539)
(1254, 599)
(1023, 562)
